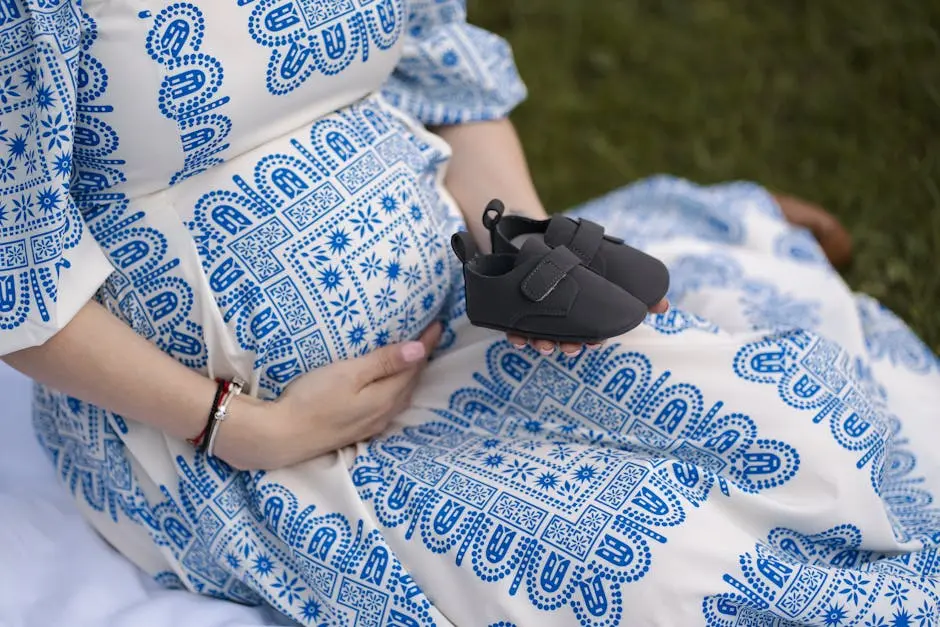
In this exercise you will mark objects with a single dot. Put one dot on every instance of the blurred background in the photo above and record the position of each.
(834, 101)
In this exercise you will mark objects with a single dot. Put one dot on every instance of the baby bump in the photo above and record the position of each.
(332, 248)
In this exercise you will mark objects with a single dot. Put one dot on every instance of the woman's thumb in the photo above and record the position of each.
(390, 360)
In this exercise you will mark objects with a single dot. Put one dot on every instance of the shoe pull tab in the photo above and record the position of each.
(464, 246)
(493, 213)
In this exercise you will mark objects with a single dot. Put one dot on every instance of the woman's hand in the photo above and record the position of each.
(488, 162)
(326, 409)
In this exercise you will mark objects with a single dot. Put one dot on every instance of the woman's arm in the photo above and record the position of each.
(100, 360)
(488, 162)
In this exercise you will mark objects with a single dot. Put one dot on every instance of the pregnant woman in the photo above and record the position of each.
(263, 191)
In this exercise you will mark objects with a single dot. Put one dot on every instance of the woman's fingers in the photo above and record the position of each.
(388, 362)
(383, 395)
(517, 340)
(660, 307)
(547, 347)
(432, 336)
(570, 349)
(392, 360)
(387, 399)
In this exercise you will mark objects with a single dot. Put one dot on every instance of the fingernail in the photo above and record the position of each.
(413, 351)
(573, 353)
(594, 347)
(547, 351)
(518, 347)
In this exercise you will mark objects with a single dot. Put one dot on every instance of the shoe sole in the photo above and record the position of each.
(558, 338)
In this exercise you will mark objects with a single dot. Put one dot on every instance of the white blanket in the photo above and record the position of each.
(55, 570)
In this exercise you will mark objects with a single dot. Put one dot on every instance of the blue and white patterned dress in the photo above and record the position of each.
(250, 186)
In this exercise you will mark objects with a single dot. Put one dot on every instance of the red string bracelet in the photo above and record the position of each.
(220, 390)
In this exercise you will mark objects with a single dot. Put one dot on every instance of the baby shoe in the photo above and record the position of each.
(540, 292)
(641, 275)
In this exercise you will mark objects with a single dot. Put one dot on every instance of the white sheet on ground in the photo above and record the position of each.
(55, 570)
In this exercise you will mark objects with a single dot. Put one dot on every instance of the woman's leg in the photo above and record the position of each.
(752, 455)
(825, 227)
(639, 479)
(631, 485)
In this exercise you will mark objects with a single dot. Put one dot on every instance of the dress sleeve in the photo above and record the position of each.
(50, 266)
(452, 72)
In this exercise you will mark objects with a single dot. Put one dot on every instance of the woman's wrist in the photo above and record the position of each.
(488, 162)
(536, 211)
(247, 432)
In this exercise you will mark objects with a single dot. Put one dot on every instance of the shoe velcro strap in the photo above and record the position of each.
(587, 240)
(549, 272)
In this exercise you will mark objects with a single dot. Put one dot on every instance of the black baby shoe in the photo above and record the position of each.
(643, 276)
(544, 293)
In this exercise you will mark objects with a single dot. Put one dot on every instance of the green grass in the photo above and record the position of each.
(834, 101)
